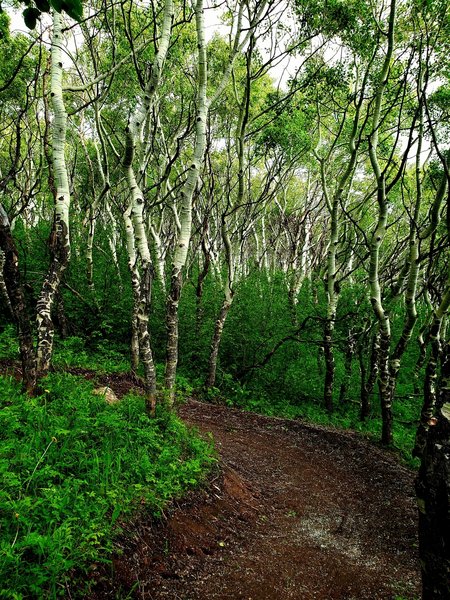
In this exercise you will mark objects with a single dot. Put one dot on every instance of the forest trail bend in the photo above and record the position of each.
(298, 512)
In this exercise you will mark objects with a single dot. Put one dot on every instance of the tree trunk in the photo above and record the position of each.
(92, 222)
(134, 345)
(199, 288)
(172, 332)
(141, 302)
(429, 392)
(378, 237)
(349, 354)
(329, 364)
(215, 343)
(3, 288)
(433, 497)
(145, 351)
(59, 239)
(367, 387)
(187, 192)
(364, 403)
(423, 335)
(385, 396)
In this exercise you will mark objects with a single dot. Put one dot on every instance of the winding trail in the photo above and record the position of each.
(298, 512)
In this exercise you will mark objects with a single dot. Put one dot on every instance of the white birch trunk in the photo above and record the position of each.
(187, 192)
(138, 247)
(60, 238)
(376, 241)
(3, 288)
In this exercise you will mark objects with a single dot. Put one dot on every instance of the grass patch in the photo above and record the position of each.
(72, 469)
(72, 352)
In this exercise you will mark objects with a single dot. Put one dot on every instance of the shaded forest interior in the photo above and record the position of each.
(247, 204)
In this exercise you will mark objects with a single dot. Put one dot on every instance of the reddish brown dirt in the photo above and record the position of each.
(297, 512)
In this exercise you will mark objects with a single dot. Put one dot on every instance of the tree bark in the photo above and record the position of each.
(141, 287)
(199, 287)
(349, 354)
(430, 391)
(187, 192)
(377, 239)
(215, 344)
(59, 239)
(329, 364)
(3, 288)
(367, 387)
(433, 496)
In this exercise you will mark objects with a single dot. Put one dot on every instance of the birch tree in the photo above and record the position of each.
(60, 239)
(187, 191)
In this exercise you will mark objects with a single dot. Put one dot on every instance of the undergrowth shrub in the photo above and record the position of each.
(72, 469)
(9, 346)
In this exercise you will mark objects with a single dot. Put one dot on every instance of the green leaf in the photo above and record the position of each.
(116, 513)
(30, 16)
(43, 5)
(57, 5)
(73, 8)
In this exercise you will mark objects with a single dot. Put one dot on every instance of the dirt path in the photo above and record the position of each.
(299, 512)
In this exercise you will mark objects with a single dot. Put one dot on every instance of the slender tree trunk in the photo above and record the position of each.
(112, 243)
(412, 274)
(215, 343)
(145, 351)
(141, 296)
(433, 496)
(60, 240)
(430, 392)
(3, 288)
(226, 305)
(134, 346)
(182, 244)
(377, 239)
(364, 405)
(92, 222)
(199, 287)
(349, 354)
(421, 358)
(332, 298)
(160, 257)
(329, 363)
(383, 382)
(367, 387)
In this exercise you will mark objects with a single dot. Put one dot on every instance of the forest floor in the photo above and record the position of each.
(295, 511)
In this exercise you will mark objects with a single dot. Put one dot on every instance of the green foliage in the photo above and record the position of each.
(34, 10)
(73, 352)
(9, 347)
(4, 26)
(73, 469)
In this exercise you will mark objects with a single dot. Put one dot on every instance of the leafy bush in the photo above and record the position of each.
(72, 468)
(72, 352)
(9, 346)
